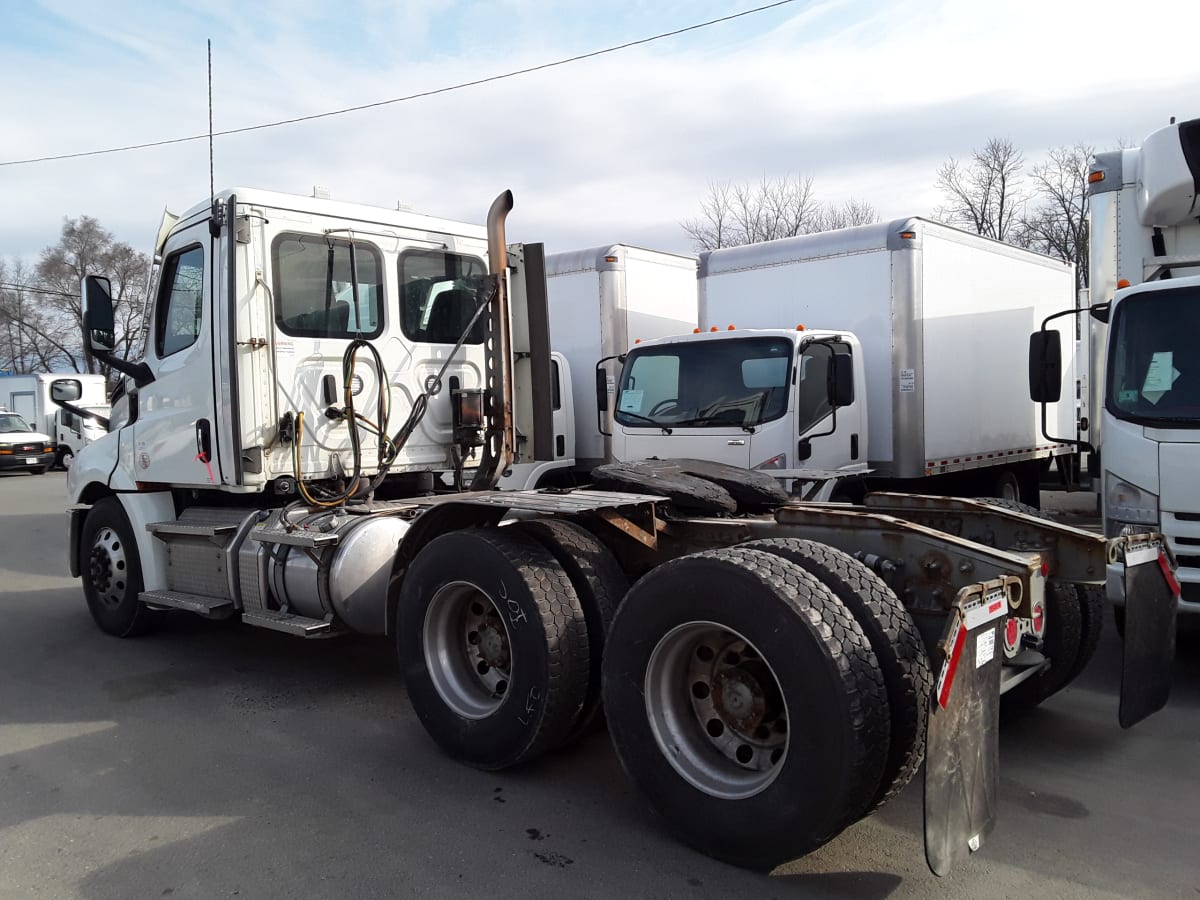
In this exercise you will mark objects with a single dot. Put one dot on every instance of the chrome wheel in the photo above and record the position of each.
(467, 650)
(108, 567)
(716, 710)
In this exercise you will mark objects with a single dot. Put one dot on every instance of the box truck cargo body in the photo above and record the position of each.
(943, 318)
(601, 300)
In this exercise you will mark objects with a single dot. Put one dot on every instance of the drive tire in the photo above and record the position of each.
(895, 640)
(1092, 602)
(754, 619)
(600, 585)
(112, 572)
(530, 636)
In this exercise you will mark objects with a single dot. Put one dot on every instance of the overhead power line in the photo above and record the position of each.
(417, 96)
(5, 286)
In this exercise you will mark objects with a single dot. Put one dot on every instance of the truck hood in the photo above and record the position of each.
(16, 437)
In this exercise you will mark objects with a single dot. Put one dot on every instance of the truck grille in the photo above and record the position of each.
(28, 448)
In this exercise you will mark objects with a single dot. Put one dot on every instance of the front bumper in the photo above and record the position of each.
(27, 460)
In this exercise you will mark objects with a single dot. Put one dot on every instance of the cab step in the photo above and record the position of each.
(300, 626)
(201, 605)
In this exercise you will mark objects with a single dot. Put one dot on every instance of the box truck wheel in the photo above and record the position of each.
(494, 646)
(65, 458)
(746, 702)
(600, 585)
(894, 638)
(112, 572)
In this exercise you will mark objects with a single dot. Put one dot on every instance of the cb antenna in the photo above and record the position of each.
(212, 189)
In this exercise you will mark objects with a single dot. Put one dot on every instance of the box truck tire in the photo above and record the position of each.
(493, 645)
(112, 572)
(600, 585)
(745, 701)
(894, 638)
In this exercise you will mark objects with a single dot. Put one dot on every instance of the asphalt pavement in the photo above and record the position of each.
(215, 760)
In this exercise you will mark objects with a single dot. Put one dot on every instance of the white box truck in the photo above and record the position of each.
(601, 300)
(1143, 402)
(935, 323)
(29, 397)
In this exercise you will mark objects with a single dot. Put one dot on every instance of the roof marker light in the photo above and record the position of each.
(1093, 177)
(732, 328)
(1123, 283)
(714, 328)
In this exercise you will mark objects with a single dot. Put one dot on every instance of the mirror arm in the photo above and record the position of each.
(1082, 446)
(138, 371)
(81, 412)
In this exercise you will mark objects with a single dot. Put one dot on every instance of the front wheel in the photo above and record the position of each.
(112, 572)
(65, 459)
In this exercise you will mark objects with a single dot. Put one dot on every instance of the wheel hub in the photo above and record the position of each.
(467, 650)
(739, 699)
(106, 567)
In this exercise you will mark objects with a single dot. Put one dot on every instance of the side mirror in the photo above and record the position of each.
(1045, 367)
(65, 390)
(803, 450)
(98, 328)
(841, 380)
(601, 389)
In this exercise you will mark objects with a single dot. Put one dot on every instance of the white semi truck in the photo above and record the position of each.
(931, 324)
(314, 369)
(1143, 402)
(69, 429)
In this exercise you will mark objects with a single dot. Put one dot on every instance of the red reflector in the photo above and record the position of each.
(1045, 569)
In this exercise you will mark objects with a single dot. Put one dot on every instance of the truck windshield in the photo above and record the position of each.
(1154, 362)
(10, 422)
(713, 383)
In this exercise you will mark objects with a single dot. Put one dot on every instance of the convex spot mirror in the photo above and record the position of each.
(98, 328)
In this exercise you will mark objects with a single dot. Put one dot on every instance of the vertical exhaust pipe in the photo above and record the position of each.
(497, 246)
(499, 436)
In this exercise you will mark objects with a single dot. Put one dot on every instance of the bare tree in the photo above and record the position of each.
(985, 195)
(86, 248)
(745, 213)
(33, 337)
(1057, 225)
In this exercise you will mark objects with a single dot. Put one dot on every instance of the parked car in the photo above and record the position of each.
(23, 448)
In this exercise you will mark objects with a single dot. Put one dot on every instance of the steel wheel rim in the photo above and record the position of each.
(67, 459)
(468, 651)
(108, 567)
(717, 711)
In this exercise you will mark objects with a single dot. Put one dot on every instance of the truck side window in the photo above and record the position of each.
(812, 390)
(314, 287)
(179, 302)
(439, 293)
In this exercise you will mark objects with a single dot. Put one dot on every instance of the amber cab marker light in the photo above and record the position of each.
(695, 331)
(1093, 177)
(714, 328)
(733, 328)
(610, 259)
(1123, 283)
(799, 327)
(907, 235)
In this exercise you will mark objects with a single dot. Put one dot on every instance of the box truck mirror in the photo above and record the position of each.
(1045, 367)
(803, 450)
(65, 390)
(98, 313)
(841, 381)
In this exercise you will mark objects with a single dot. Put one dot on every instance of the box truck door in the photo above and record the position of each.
(825, 438)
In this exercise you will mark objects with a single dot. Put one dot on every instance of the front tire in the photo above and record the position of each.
(65, 459)
(494, 646)
(112, 572)
(746, 703)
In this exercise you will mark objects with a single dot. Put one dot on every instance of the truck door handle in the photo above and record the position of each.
(737, 442)
(203, 441)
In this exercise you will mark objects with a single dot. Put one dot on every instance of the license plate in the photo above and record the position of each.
(30, 462)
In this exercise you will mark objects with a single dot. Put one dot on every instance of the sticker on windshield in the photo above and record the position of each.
(631, 401)
(1127, 397)
(1160, 375)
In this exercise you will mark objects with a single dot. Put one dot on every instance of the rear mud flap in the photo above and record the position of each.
(1151, 601)
(963, 747)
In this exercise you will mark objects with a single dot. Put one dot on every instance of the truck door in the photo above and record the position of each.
(176, 429)
(831, 439)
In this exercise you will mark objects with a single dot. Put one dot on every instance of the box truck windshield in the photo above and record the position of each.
(740, 382)
(1155, 371)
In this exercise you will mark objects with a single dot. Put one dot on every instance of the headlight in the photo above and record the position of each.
(1125, 504)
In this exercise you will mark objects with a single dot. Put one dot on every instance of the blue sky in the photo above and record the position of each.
(868, 98)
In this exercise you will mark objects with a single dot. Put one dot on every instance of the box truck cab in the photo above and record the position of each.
(69, 430)
(1145, 293)
(776, 400)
